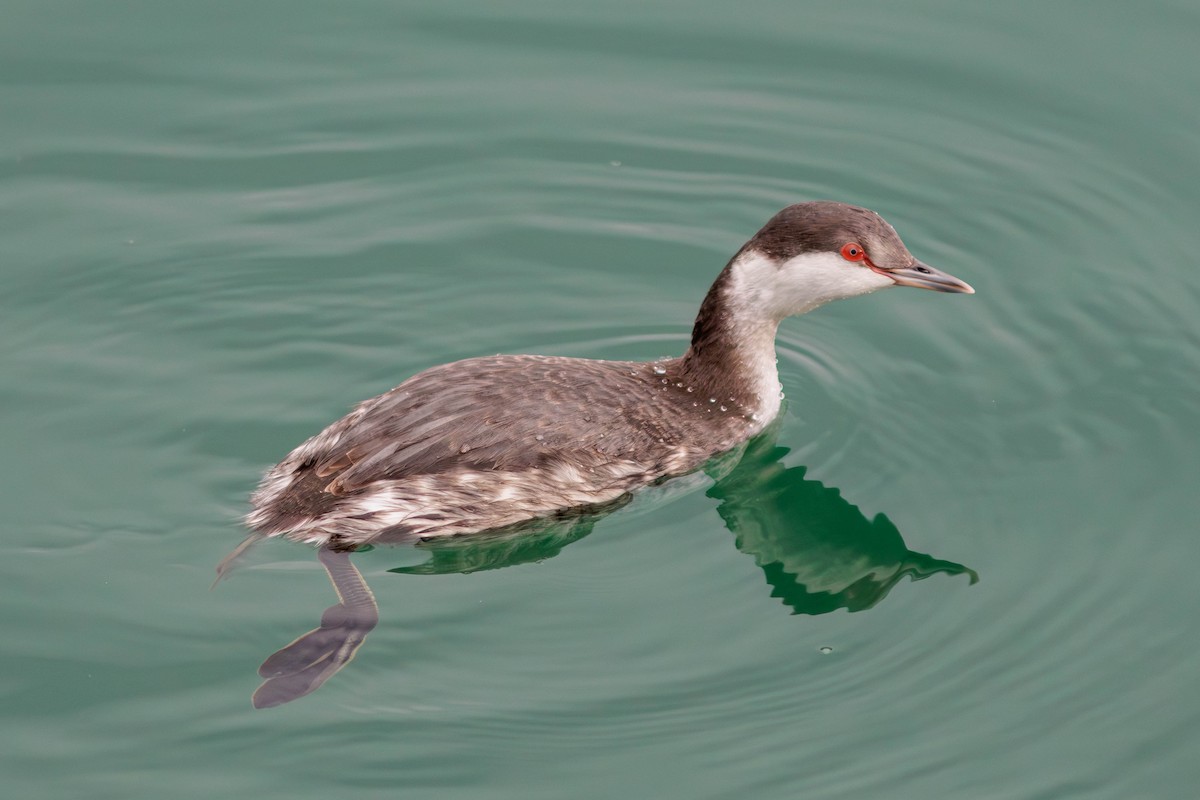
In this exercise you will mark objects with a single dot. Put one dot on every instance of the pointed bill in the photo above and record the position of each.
(923, 276)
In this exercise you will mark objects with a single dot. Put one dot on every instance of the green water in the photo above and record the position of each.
(223, 224)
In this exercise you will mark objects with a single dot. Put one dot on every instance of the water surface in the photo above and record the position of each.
(224, 224)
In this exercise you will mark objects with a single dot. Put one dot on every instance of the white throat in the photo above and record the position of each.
(762, 292)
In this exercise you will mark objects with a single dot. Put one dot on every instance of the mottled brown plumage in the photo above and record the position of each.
(518, 419)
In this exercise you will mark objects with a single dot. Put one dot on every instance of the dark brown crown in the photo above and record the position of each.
(824, 226)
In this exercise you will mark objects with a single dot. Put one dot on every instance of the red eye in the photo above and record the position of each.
(852, 251)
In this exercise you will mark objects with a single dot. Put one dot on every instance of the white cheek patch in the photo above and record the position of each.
(813, 279)
(800, 284)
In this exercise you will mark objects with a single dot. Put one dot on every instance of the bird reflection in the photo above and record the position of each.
(817, 552)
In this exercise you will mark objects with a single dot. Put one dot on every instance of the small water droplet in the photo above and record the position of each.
(664, 380)
(781, 395)
(465, 448)
(633, 372)
(723, 408)
(539, 437)
(712, 399)
(754, 416)
(659, 369)
(679, 386)
(695, 404)
(825, 650)
(690, 389)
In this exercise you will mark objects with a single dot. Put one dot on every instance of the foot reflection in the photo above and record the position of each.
(312, 659)
(817, 551)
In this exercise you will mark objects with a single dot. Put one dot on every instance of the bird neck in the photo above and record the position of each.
(732, 354)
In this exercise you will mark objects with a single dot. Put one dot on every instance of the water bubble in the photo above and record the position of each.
(712, 399)
(825, 650)
(659, 369)
(690, 389)
(664, 380)
(723, 408)
(781, 395)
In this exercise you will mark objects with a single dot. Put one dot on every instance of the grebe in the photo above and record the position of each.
(489, 442)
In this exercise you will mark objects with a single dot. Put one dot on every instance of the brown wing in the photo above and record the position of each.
(498, 413)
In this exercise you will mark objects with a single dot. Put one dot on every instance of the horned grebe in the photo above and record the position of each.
(490, 442)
